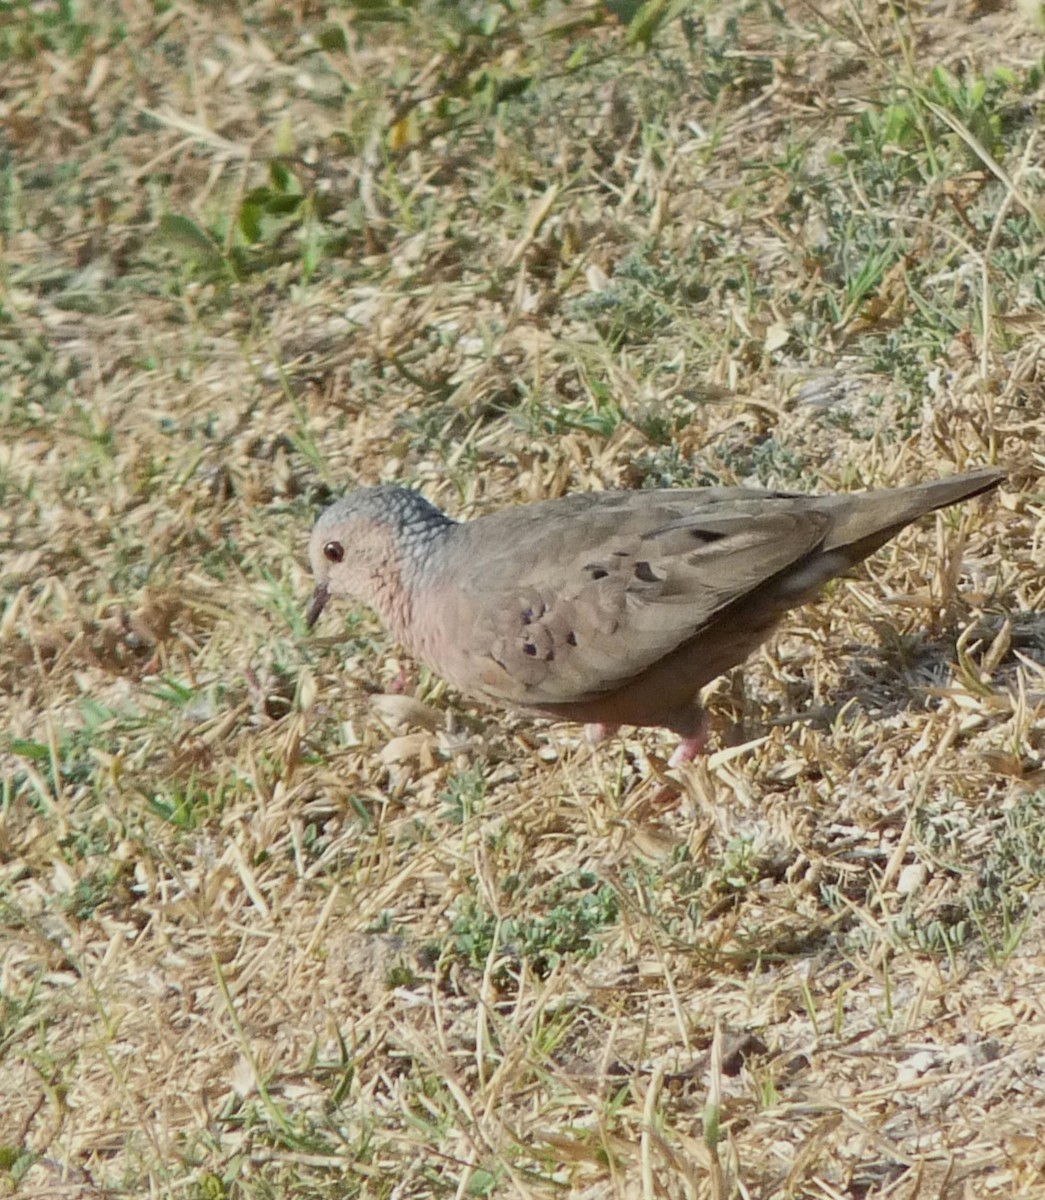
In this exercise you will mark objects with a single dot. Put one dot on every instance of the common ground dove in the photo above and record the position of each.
(612, 608)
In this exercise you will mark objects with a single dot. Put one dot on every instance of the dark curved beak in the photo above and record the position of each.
(316, 604)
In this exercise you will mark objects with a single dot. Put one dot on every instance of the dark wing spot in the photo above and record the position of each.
(707, 536)
(530, 649)
(527, 616)
(571, 638)
(646, 573)
(595, 571)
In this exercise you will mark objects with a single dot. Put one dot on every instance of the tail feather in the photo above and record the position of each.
(870, 519)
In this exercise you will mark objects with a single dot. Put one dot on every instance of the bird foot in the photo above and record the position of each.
(596, 732)
(691, 747)
(401, 683)
(687, 750)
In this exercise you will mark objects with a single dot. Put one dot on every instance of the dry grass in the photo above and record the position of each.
(271, 925)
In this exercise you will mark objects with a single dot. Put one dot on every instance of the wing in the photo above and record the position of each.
(565, 604)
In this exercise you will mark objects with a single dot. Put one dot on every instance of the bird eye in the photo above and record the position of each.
(333, 552)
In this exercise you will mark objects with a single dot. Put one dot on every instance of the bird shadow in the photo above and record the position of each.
(900, 670)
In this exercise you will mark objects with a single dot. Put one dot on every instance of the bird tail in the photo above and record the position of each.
(872, 518)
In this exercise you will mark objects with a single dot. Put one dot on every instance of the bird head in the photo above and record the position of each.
(369, 544)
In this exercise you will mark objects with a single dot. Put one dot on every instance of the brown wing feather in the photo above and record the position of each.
(581, 622)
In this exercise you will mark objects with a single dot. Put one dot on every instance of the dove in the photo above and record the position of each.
(608, 608)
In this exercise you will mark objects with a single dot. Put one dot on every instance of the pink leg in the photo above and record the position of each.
(691, 747)
(598, 732)
(400, 684)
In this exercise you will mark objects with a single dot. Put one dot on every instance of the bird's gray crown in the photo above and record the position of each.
(412, 519)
